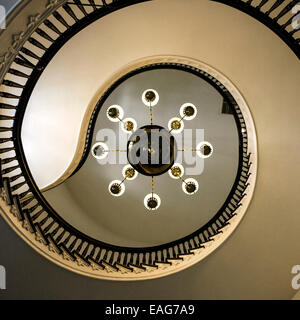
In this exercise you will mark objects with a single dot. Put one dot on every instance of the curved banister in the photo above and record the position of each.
(280, 22)
(21, 193)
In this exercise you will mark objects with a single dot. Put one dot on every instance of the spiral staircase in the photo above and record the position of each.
(254, 43)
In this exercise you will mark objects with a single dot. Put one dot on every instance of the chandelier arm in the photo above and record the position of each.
(120, 120)
(182, 118)
(123, 180)
(151, 114)
(116, 150)
(183, 150)
(182, 180)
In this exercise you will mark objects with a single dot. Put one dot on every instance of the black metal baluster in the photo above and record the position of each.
(36, 43)
(78, 249)
(98, 257)
(85, 251)
(92, 2)
(8, 160)
(37, 215)
(92, 253)
(292, 32)
(22, 61)
(4, 129)
(80, 6)
(6, 185)
(60, 237)
(8, 95)
(7, 106)
(59, 18)
(24, 194)
(52, 27)
(4, 140)
(70, 12)
(33, 208)
(18, 73)
(10, 169)
(43, 222)
(289, 21)
(54, 232)
(111, 257)
(18, 186)
(27, 202)
(275, 5)
(262, 3)
(44, 35)
(30, 53)
(49, 226)
(12, 179)
(72, 245)
(3, 117)
(286, 9)
(66, 241)
(12, 84)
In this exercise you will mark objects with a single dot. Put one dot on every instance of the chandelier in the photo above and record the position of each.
(152, 149)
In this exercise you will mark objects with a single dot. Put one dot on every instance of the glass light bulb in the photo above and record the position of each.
(129, 172)
(176, 125)
(152, 201)
(116, 188)
(190, 186)
(209, 149)
(146, 101)
(99, 150)
(188, 111)
(128, 125)
(115, 113)
(177, 171)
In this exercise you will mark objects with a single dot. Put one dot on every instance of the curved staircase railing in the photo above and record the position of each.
(21, 68)
(278, 15)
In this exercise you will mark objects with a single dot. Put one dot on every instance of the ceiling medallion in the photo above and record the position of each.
(152, 149)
